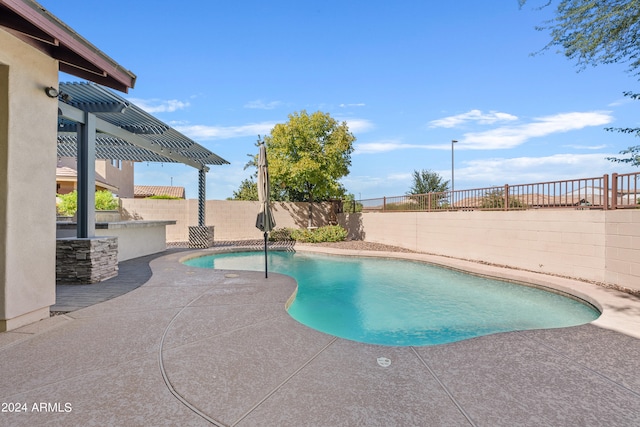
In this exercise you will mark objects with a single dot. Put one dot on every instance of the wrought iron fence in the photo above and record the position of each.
(603, 192)
(625, 191)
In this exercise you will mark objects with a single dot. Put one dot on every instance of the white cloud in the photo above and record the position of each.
(376, 186)
(159, 105)
(476, 116)
(382, 147)
(201, 132)
(261, 105)
(504, 137)
(357, 125)
(509, 137)
(621, 101)
(402, 177)
(524, 170)
(360, 104)
(586, 147)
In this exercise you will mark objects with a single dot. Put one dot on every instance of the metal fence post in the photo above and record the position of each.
(506, 197)
(605, 189)
(614, 190)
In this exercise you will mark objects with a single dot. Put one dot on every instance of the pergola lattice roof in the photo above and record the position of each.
(162, 143)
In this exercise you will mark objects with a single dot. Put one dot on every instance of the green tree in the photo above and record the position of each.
(596, 32)
(495, 199)
(248, 190)
(350, 204)
(307, 157)
(426, 181)
(632, 154)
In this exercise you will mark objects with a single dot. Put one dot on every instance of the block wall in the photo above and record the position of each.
(232, 219)
(602, 246)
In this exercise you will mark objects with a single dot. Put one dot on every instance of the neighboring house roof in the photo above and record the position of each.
(30, 22)
(140, 191)
(67, 174)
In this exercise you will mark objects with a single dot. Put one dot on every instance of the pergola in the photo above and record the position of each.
(96, 123)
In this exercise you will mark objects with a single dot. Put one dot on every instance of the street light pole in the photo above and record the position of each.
(453, 141)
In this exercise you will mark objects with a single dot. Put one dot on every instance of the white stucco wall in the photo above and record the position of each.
(28, 121)
(136, 239)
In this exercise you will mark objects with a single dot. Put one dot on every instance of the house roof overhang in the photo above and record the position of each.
(67, 174)
(30, 22)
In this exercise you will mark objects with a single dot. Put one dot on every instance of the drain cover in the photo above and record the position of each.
(384, 362)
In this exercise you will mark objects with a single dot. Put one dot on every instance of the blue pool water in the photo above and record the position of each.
(401, 303)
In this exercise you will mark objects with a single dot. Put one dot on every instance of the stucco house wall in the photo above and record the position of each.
(28, 120)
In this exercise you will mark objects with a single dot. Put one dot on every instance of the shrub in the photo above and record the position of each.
(302, 235)
(163, 197)
(105, 201)
(68, 205)
(328, 233)
(280, 235)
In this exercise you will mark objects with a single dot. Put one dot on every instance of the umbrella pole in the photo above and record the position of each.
(266, 275)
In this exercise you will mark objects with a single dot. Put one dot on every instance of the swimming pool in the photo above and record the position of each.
(402, 303)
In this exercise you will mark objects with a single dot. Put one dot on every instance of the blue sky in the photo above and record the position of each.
(407, 77)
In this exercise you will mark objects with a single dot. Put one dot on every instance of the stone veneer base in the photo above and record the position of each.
(88, 260)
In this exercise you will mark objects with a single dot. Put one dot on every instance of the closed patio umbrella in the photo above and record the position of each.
(264, 220)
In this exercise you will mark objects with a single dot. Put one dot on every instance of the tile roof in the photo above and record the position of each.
(141, 191)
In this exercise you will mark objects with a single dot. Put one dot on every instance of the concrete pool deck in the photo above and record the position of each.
(195, 347)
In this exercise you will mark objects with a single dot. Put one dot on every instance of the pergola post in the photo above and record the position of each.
(86, 258)
(86, 215)
(202, 193)
(201, 236)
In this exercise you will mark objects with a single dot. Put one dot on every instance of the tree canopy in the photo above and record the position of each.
(426, 181)
(600, 32)
(632, 153)
(248, 191)
(307, 157)
(596, 32)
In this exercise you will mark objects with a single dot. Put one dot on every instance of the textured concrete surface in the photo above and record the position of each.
(195, 347)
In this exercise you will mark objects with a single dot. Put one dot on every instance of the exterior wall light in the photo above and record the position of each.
(51, 92)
